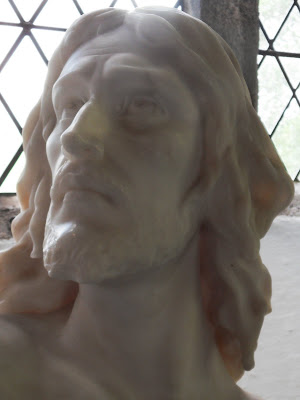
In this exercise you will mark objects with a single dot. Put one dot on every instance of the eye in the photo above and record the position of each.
(142, 104)
(70, 109)
(142, 112)
(74, 105)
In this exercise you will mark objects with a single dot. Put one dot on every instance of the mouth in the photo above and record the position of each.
(79, 180)
(88, 192)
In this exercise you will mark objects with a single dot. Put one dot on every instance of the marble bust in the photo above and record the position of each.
(148, 184)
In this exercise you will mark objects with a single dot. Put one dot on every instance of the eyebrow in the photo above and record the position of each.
(82, 71)
(68, 77)
(124, 73)
(140, 74)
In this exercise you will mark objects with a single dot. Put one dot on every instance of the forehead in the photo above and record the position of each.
(118, 61)
(120, 40)
(120, 54)
(125, 72)
(97, 51)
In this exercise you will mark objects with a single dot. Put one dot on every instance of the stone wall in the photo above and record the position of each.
(237, 22)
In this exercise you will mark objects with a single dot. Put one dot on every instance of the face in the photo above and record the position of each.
(124, 154)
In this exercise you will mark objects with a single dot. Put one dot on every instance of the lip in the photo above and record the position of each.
(107, 197)
(72, 178)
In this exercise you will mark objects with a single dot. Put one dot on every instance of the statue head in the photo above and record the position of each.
(143, 137)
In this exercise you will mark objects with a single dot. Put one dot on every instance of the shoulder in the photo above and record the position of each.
(18, 359)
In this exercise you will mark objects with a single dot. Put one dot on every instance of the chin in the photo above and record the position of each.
(77, 253)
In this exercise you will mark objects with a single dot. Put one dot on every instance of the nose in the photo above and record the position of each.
(84, 137)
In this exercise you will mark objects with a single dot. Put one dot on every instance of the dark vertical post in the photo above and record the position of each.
(237, 22)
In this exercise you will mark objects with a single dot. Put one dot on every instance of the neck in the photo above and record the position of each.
(150, 333)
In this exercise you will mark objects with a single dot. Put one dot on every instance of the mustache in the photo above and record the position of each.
(88, 178)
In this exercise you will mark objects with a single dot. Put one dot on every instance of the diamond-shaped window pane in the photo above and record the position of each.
(263, 43)
(7, 13)
(124, 5)
(21, 81)
(259, 58)
(58, 13)
(289, 37)
(10, 139)
(292, 68)
(93, 5)
(10, 33)
(27, 8)
(287, 139)
(272, 14)
(9, 185)
(48, 40)
(165, 3)
(271, 106)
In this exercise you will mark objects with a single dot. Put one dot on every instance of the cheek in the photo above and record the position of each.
(183, 154)
(162, 164)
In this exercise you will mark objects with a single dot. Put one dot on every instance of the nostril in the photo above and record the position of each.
(71, 142)
(74, 146)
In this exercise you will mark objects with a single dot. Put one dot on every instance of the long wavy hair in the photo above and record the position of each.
(243, 180)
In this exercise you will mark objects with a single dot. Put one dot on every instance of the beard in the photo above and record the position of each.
(87, 253)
